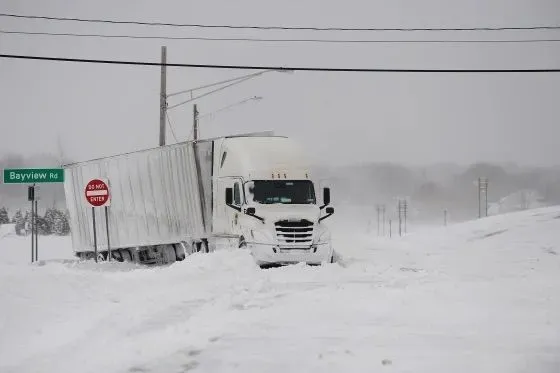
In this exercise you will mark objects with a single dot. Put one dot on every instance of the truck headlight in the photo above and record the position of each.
(260, 236)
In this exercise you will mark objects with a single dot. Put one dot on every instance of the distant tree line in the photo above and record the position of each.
(55, 222)
(441, 187)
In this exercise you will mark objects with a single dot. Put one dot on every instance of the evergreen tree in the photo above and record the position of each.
(43, 228)
(19, 221)
(58, 223)
(61, 225)
(50, 217)
(4, 218)
(27, 223)
(65, 224)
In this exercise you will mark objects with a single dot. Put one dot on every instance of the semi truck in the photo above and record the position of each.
(253, 191)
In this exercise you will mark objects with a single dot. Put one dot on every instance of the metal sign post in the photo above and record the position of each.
(94, 234)
(31, 198)
(97, 195)
(107, 226)
(36, 231)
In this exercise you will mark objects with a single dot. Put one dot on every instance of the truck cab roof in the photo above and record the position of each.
(261, 158)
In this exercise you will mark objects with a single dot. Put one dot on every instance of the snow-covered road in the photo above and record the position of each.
(481, 296)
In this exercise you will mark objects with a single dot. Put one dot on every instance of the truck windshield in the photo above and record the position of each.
(282, 191)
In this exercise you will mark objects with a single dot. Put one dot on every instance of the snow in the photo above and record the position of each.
(481, 296)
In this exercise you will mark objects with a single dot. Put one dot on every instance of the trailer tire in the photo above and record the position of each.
(169, 254)
(126, 255)
(179, 251)
(101, 257)
(116, 254)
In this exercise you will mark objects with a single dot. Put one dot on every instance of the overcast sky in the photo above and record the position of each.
(98, 110)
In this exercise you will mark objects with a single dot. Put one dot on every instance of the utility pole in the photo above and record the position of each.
(486, 196)
(163, 96)
(383, 210)
(378, 208)
(482, 188)
(380, 214)
(479, 188)
(195, 122)
(403, 212)
(400, 217)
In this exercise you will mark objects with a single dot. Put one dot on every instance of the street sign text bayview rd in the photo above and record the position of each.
(33, 175)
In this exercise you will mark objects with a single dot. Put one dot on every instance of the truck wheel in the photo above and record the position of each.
(101, 257)
(205, 245)
(196, 247)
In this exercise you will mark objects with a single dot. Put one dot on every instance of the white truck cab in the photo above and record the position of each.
(264, 196)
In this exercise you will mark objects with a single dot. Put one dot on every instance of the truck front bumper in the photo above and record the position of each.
(272, 254)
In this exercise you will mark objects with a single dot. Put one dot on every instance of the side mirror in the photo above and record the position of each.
(326, 196)
(329, 211)
(229, 196)
(251, 211)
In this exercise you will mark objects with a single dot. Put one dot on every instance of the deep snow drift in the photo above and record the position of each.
(475, 297)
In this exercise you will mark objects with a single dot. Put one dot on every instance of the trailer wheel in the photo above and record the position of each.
(169, 254)
(179, 251)
(127, 257)
(101, 257)
(116, 254)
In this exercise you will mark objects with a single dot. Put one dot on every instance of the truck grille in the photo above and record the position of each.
(294, 234)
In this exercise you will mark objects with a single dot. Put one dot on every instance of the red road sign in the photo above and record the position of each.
(97, 193)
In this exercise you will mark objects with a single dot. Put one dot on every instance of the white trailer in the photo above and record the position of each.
(171, 201)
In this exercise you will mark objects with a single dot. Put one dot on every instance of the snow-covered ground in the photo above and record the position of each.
(481, 296)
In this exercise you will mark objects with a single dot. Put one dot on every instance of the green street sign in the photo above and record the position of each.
(33, 175)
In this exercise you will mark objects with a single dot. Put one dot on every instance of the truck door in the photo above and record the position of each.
(229, 218)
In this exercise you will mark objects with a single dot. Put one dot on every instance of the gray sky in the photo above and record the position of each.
(99, 110)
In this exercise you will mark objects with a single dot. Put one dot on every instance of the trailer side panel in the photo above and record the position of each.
(155, 198)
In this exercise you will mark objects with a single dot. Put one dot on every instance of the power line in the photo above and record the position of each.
(301, 28)
(265, 40)
(252, 67)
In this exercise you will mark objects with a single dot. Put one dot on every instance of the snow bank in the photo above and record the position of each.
(17, 249)
(7, 230)
(474, 297)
